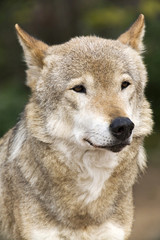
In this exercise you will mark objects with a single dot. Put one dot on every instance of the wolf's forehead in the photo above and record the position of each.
(89, 49)
(101, 57)
(95, 57)
(95, 48)
(99, 68)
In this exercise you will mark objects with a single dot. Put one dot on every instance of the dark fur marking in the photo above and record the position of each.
(71, 103)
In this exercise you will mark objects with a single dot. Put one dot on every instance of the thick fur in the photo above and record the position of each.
(55, 184)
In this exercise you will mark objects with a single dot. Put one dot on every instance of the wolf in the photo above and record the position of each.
(68, 167)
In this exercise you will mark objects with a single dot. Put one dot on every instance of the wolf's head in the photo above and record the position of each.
(88, 91)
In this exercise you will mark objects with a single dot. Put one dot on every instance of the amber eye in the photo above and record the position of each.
(79, 89)
(125, 84)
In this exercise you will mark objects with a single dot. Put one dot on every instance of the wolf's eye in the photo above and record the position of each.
(79, 89)
(125, 84)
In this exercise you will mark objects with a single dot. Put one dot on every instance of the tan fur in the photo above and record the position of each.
(55, 184)
(135, 34)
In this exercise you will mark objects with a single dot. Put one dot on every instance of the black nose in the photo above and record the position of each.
(121, 128)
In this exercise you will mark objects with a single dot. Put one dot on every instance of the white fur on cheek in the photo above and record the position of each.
(58, 127)
(141, 158)
(92, 127)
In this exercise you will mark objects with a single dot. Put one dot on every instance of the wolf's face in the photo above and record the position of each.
(90, 90)
(100, 97)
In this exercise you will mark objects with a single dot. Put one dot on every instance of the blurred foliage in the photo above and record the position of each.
(56, 21)
(13, 98)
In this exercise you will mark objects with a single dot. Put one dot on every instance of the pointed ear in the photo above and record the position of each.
(34, 50)
(134, 36)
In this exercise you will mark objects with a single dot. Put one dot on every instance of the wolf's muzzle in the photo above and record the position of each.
(121, 128)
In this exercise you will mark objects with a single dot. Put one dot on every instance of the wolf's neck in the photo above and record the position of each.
(93, 169)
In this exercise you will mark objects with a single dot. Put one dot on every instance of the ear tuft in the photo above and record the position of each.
(134, 36)
(34, 50)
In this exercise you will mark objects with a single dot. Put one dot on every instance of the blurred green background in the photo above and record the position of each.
(57, 21)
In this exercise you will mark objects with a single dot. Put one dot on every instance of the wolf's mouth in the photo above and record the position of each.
(114, 148)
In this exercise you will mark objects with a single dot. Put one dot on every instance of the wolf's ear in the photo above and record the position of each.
(34, 50)
(134, 36)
